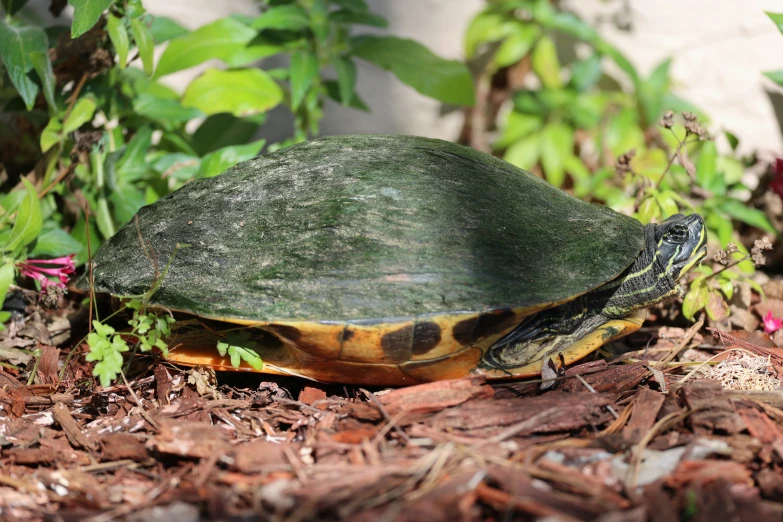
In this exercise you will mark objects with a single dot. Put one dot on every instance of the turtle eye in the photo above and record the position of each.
(677, 234)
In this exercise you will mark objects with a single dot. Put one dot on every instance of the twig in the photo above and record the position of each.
(680, 145)
(509, 432)
(388, 426)
(48, 400)
(680, 345)
(18, 484)
(503, 501)
(142, 411)
(75, 95)
(732, 264)
(377, 404)
(104, 466)
(73, 432)
(61, 176)
(758, 350)
(592, 390)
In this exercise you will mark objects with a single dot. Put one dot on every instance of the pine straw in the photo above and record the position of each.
(744, 371)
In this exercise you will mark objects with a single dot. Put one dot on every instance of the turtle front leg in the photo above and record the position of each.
(531, 345)
(543, 336)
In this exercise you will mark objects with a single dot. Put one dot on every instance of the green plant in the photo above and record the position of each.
(574, 124)
(89, 134)
(148, 330)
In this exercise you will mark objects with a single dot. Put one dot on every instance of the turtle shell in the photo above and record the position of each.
(365, 255)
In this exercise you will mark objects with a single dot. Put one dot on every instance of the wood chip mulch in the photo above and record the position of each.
(605, 445)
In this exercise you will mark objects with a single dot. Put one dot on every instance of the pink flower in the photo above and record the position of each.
(772, 324)
(62, 271)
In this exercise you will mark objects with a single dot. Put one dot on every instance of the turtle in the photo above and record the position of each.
(394, 260)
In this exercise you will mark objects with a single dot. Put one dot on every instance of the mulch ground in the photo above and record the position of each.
(610, 442)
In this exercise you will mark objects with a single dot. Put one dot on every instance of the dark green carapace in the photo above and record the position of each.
(361, 228)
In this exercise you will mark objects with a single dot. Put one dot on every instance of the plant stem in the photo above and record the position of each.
(35, 367)
(732, 264)
(680, 145)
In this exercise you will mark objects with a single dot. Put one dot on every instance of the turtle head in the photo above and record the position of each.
(682, 242)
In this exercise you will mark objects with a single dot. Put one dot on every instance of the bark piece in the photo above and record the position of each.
(76, 436)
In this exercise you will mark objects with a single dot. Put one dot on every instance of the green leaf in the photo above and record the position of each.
(570, 23)
(623, 132)
(304, 69)
(221, 160)
(178, 166)
(239, 347)
(619, 59)
(731, 169)
(545, 63)
(445, 80)
(777, 18)
(716, 307)
(652, 92)
(587, 110)
(43, 67)
(251, 53)
(726, 286)
(557, 143)
(82, 112)
(17, 43)
(29, 220)
(732, 139)
(741, 212)
(352, 5)
(775, 76)
(126, 201)
(222, 130)
(706, 164)
(346, 78)
(695, 299)
(132, 165)
(55, 242)
(486, 27)
(86, 14)
(517, 45)
(241, 93)
(169, 112)
(284, 17)
(146, 44)
(649, 209)
(581, 175)
(585, 73)
(103, 218)
(7, 274)
(668, 203)
(164, 29)
(225, 39)
(119, 39)
(51, 135)
(346, 16)
(719, 225)
(79, 233)
(525, 152)
(518, 125)
(333, 91)
(10, 201)
(12, 6)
